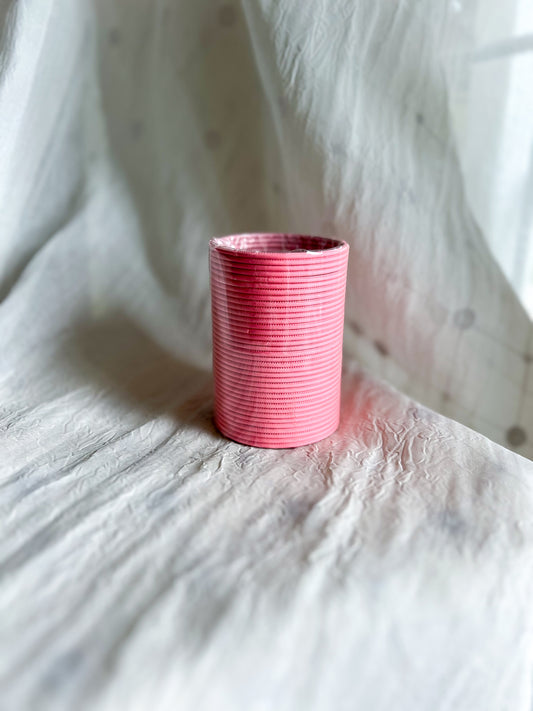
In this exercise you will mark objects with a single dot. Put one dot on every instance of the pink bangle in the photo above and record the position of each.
(278, 313)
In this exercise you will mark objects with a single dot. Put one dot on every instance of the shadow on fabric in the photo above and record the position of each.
(116, 355)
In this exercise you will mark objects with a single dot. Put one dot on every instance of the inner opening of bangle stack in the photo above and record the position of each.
(276, 243)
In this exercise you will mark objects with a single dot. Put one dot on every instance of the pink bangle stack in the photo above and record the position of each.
(278, 315)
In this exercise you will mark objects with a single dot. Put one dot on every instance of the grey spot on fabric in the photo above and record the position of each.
(212, 139)
(464, 318)
(381, 349)
(419, 118)
(452, 523)
(136, 129)
(114, 36)
(62, 670)
(356, 328)
(405, 193)
(328, 228)
(516, 436)
(446, 397)
(298, 509)
(528, 357)
(158, 500)
(276, 187)
(227, 15)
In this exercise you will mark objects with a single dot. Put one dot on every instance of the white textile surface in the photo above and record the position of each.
(145, 561)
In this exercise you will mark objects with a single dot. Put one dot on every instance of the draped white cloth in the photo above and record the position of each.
(145, 561)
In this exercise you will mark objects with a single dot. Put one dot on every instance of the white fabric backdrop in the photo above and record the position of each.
(491, 104)
(146, 561)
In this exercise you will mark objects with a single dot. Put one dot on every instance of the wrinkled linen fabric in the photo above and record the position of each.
(147, 562)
